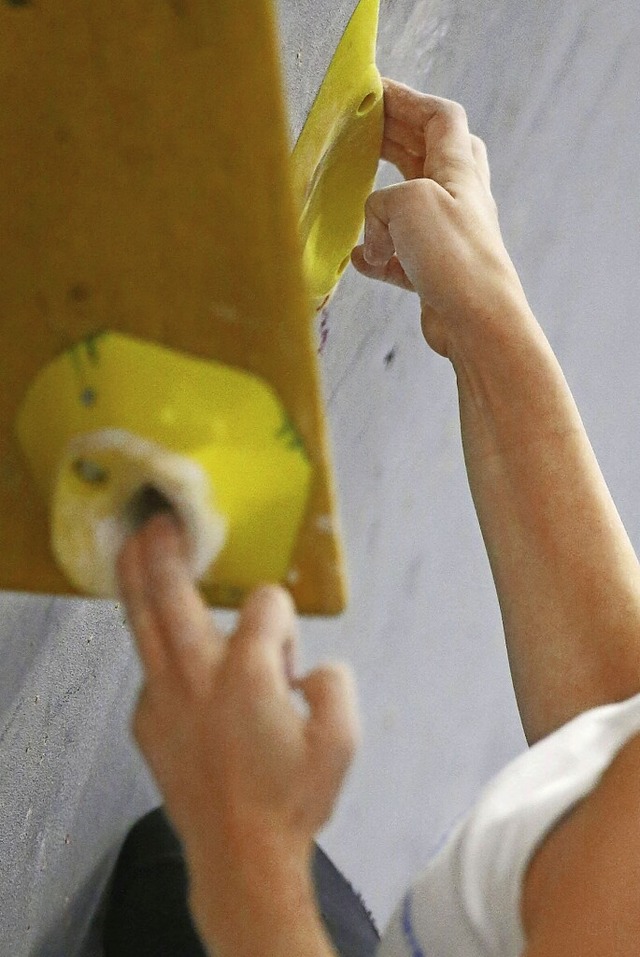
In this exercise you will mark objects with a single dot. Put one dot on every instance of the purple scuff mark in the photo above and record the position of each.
(324, 330)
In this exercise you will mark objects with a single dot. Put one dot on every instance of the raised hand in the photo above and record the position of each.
(437, 233)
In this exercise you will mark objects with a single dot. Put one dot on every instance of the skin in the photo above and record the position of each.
(248, 778)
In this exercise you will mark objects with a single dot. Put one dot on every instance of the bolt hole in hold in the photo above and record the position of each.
(368, 103)
(90, 471)
(146, 502)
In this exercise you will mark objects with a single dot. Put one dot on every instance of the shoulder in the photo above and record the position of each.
(582, 889)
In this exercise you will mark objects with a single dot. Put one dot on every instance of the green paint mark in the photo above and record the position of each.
(91, 345)
(88, 395)
(91, 472)
(289, 435)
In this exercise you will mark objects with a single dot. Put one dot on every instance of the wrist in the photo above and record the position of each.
(512, 390)
(493, 320)
(496, 347)
(263, 898)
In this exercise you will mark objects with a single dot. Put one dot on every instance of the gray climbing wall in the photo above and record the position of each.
(552, 88)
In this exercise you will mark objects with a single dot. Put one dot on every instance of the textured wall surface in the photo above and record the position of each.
(552, 88)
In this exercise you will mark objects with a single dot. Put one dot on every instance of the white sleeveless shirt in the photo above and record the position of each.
(467, 902)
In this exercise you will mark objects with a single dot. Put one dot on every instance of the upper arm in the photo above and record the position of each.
(581, 895)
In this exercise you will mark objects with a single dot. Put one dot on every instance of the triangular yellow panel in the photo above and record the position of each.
(147, 194)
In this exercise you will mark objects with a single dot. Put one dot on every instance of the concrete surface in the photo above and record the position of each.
(552, 88)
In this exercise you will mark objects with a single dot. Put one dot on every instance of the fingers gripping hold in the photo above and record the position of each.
(171, 624)
(442, 125)
(448, 151)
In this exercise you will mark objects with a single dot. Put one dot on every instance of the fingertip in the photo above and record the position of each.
(358, 258)
(330, 693)
(329, 683)
(268, 617)
(269, 596)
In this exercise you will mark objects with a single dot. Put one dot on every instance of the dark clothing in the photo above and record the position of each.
(147, 913)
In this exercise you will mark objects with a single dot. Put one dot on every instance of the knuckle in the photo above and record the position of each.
(274, 596)
(459, 111)
(454, 111)
(372, 204)
(269, 612)
(425, 188)
(282, 598)
(246, 674)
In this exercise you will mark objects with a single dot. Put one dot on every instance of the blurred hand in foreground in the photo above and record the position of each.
(248, 778)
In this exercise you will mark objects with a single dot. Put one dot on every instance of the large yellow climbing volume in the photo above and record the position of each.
(161, 260)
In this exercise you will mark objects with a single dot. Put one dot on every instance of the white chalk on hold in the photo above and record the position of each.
(123, 479)
(324, 524)
(293, 577)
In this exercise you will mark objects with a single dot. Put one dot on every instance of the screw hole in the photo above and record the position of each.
(88, 396)
(90, 471)
(367, 104)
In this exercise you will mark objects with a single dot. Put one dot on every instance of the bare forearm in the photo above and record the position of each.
(567, 578)
(566, 575)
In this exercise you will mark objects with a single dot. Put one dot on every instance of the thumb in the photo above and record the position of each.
(378, 257)
(391, 271)
(378, 245)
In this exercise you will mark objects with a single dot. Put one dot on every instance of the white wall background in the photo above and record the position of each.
(552, 87)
